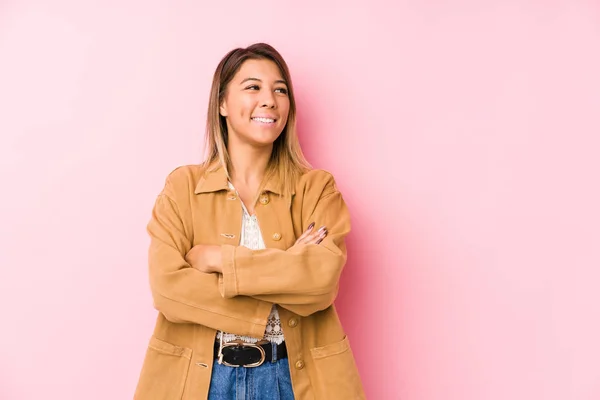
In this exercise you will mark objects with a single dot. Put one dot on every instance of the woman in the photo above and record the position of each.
(246, 253)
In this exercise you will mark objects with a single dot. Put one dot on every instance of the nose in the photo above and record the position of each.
(268, 100)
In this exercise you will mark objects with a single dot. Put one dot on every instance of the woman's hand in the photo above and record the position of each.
(310, 236)
(205, 258)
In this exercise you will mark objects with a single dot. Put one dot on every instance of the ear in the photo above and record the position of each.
(223, 109)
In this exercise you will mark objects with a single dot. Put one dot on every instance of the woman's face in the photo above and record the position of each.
(256, 103)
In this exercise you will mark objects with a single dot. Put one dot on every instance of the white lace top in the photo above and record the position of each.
(251, 238)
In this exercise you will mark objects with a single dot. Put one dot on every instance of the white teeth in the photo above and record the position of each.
(265, 120)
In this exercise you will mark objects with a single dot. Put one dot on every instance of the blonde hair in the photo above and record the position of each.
(287, 160)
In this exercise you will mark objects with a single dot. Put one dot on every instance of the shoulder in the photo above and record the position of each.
(183, 179)
(187, 172)
(317, 181)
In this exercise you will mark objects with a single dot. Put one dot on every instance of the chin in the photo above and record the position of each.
(258, 138)
(263, 142)
(263, 139)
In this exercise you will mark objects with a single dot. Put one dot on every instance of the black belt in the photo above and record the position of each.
(249, 355)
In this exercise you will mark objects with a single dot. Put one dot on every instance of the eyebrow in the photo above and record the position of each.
(256, 79)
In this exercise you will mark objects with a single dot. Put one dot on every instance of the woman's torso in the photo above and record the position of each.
(179, 356)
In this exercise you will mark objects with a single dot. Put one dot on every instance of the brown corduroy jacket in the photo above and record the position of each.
(197, 207)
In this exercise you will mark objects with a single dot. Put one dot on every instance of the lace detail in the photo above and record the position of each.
(273, 333)
(251, 238)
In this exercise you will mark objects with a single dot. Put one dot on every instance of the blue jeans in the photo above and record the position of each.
(270, 381)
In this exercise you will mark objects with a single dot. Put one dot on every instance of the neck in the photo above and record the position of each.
(248, 163)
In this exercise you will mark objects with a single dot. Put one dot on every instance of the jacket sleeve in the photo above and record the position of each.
(184, 294)
(303, 279)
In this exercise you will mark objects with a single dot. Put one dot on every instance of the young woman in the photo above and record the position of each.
(246, 253)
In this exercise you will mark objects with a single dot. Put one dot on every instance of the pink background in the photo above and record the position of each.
(464, 135)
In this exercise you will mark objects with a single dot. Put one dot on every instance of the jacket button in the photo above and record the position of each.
(264, 199)
(276, 236)
(299, 364)
(293, 322)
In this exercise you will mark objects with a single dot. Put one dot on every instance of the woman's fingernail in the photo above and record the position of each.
(312, 225)
(320, 240)
(321, 229)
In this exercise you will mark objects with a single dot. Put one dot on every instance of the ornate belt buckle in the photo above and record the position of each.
(233, 344)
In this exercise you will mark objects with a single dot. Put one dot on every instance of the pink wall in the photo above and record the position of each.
(464, 134)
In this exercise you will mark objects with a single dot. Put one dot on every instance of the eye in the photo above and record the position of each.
(282, 90)
(253, 87)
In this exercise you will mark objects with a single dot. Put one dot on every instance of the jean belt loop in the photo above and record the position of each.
(274, 347)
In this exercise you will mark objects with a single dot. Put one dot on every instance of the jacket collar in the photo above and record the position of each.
(215, 180)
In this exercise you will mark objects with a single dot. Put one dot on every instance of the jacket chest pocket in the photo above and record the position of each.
(216, 220)
(164, 372)
(338, 376)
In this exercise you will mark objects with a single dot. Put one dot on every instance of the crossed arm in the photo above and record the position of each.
(233, 288)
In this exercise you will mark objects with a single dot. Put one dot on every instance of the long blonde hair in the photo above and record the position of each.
(287, 160)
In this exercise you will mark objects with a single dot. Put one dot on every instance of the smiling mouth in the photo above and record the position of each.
(264, 120)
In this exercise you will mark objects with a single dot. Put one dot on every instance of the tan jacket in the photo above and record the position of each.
(198, 208)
